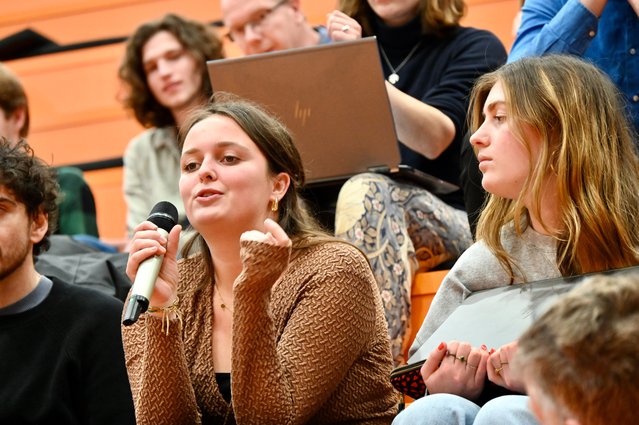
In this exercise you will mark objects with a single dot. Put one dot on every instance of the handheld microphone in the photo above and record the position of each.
(165, 216)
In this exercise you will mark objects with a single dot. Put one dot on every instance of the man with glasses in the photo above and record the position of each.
(258, 26)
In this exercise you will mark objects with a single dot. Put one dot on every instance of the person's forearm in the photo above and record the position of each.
(595, 6)
(556, 27)
(255, 361)
(158, 373)
(419, 126)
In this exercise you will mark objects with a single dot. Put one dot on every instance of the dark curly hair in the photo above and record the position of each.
(32, 182)
(198, 39)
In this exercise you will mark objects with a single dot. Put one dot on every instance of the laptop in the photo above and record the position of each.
(500, 315)
(333, 100)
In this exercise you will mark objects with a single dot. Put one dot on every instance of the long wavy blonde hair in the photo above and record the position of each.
(437, 16)
(587, 142)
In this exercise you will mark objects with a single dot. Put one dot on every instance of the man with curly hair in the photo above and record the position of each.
(62, 357)
(164, 74)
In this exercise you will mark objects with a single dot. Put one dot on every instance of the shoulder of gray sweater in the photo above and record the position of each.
(477, 269)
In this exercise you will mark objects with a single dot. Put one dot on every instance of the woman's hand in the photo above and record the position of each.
(342, 27)
(274, 235)
(456, 368)
(499, 370)
(262, 267)
(146, 243)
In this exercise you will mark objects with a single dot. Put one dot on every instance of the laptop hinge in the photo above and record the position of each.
(379, 169)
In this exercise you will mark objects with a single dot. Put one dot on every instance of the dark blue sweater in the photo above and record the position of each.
(441, 73)
(62, 362)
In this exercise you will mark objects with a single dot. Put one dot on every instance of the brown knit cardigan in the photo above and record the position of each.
(310, 345)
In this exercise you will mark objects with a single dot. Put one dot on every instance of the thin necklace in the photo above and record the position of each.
(394, 78)
(223, 303)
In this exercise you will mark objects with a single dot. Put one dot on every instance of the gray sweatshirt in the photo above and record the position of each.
(478, 269)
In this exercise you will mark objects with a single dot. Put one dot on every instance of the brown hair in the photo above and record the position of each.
(587, 143)
(437, 16)
(200, 41)
(275, 142)
(12, 97)
(582, 353)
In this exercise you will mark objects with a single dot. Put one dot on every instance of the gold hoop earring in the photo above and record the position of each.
(274, 205)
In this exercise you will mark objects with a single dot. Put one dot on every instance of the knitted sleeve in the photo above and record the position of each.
(287, 380)
(158, 373)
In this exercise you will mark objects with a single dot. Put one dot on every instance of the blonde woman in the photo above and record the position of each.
(558, 160)
(430, 62)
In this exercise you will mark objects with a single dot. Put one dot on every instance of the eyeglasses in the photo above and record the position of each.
(255, 24)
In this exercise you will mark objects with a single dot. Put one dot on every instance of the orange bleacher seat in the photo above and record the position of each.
(425, 286)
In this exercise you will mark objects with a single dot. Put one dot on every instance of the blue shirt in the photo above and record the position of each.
(610, 42)
(324, 37)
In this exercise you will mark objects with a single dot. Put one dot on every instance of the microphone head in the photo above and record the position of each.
(164, 215)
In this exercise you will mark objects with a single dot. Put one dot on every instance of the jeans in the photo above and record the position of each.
(449, 409)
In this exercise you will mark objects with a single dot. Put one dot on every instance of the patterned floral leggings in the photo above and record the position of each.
(400, 227)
